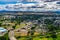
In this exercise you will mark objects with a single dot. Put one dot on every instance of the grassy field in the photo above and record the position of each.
(38, 38)
(58, 36)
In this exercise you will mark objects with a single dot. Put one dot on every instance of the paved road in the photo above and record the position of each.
(11, 35)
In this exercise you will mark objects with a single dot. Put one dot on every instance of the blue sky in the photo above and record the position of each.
(9, 0)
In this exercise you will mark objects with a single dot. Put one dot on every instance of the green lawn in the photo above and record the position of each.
(21, 25)
(38, 38)
(58, 37)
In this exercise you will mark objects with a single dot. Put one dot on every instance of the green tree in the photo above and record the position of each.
(5, 37)
(48, 21)
(0, 24)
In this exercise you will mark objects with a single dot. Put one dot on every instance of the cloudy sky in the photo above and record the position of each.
(11, 7)
(24, 0)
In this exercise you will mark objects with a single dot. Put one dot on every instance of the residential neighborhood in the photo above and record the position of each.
(22, 27)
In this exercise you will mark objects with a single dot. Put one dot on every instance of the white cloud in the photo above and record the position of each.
(16, 7)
